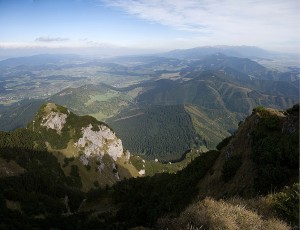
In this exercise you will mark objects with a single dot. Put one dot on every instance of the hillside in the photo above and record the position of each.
(100, 101)
(254, 179)
(82, 144)
(163, 132)
(243, 186)
(217, 101)
(261, 158)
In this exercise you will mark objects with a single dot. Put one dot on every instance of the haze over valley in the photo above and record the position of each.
(149, 114)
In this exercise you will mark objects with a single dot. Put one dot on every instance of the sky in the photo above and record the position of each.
(155, 25)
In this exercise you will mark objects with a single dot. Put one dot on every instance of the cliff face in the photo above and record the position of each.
(89, 144)
(261, 156)
(98, 143)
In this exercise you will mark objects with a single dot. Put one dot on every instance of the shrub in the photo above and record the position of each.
(259, 108)
(231, 165)
(286, 203)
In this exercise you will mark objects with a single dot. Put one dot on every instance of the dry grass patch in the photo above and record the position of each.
(212, 214)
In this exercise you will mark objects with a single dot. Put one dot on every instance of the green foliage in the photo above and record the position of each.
(230, 167)
(57, 141)
(163, 132)
(276, 154)
(22, 138)
(143, 200)
(259, 108)
(41, 188)
(286, 203)
(78, 122)
(137, 162)
(61, 109)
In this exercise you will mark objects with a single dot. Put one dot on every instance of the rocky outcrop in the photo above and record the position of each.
(83, 141)
(55, 120)
(98, 143)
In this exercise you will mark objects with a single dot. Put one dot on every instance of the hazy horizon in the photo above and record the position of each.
(109, 28)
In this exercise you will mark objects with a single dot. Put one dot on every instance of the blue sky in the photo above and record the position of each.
(149, 24)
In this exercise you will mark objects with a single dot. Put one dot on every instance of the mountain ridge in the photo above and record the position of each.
(265, 145)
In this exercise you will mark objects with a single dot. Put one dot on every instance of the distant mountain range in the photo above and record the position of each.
(39, 60)
(235, 51)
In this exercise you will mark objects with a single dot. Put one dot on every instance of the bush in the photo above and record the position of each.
(259, 108)
(231, 165)
(275, 154)
(286, 204)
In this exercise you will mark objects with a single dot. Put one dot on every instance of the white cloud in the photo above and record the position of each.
(51, 39)
(222, 21)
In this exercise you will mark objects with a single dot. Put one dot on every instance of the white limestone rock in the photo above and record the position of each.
(55, 120)
(84, 160)
(98, 143)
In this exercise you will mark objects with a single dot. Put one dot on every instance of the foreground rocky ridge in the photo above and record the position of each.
(262, 156)
(250, 183)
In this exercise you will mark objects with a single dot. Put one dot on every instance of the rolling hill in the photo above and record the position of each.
(215, 91)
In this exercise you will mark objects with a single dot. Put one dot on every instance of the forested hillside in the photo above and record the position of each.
(163, 132)
(215, 91)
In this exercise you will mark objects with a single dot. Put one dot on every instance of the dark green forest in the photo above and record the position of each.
(163, 132)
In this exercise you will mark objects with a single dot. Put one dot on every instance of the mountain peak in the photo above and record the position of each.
(90, 142)
(54, 117)
(90, 137)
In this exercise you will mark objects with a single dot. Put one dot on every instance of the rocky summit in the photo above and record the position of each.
(82, 142)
